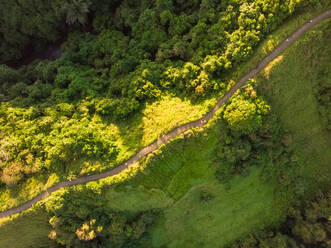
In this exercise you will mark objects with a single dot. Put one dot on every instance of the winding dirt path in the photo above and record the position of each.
(177, 131)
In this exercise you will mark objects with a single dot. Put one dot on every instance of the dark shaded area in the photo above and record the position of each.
(306, 226)
(52, 52)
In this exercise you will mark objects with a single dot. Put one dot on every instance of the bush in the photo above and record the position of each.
(94, 223)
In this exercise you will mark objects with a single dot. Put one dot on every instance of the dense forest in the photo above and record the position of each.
(59, 117)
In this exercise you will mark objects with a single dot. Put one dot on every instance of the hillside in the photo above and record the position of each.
(263, 152)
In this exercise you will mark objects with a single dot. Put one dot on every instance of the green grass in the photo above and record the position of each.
(174, 180)
(185, 169)
(137, 199)
(181, 165)
(28, 230)
(190, 222)
(158, 118)
(290, 84)
(275, 38)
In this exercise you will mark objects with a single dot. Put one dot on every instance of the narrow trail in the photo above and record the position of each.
(177, 131)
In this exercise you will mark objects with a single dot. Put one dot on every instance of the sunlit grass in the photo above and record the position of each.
(157, 118)
(26, 190)
(162, 116)
(275, 38)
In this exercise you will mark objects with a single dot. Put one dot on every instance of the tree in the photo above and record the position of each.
(245, 115)
(88, 231)
(76, 11)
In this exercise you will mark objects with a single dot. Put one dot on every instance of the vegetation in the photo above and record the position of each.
(74, 224)
(33, 227)
(305, 85)
(30, 25)
(307, 225)
(202, 180)
(71, 116)
(132, 70)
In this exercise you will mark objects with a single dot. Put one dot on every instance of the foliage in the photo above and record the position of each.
(244, 113)
(137, 58)
(53, 112)
(81, 218)
(300, 87)
(307, 225)
(33, 227)
(33, 23)
(75, 112)
(33, 141)
(112, 72)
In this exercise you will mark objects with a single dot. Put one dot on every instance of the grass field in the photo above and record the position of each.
(198, 210)
(158, 118)
(29, 230)
(290, 84)
(177, 179)
(229, 214)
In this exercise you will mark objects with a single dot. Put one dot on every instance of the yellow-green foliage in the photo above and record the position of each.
(162, 116)
(26, 190)
(244, 113)
(99, 104)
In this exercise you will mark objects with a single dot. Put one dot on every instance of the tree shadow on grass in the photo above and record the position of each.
(33, 229)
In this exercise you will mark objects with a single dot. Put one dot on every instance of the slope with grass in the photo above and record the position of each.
(200, 211)
(190, 222)
(292, 85)
(33, 230)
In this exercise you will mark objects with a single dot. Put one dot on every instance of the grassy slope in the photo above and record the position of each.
(177, 177)
(289, 84)
(184, 170)
(29, 230)
(174, 181)
(249, 204)
(156, 119)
